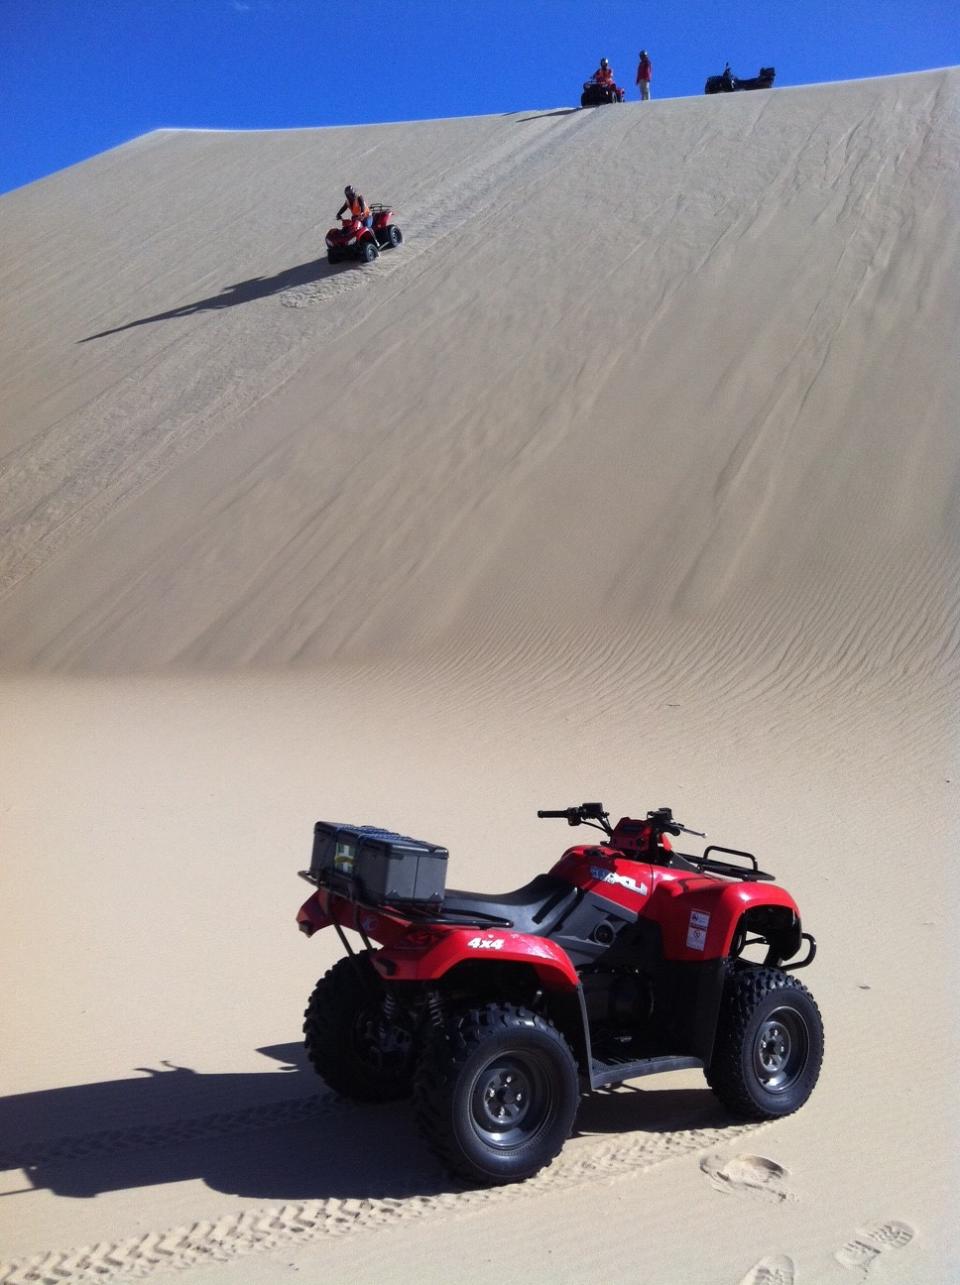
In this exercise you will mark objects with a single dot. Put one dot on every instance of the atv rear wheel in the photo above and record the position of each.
(496, 1093)
(348, 1039)
(769, 1044)
(394, 236)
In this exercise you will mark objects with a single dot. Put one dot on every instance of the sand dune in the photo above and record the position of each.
(632, 474)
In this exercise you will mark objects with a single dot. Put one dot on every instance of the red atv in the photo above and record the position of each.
(595, 94)
(354, 240)
(496, 1012)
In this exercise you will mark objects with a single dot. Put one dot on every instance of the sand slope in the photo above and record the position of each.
(632, 474)
(674, 369)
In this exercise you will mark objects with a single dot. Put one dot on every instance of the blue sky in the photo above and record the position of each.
(79, 76)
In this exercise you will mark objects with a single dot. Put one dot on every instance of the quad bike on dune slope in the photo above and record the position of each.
(354, 240)
(496, 1012)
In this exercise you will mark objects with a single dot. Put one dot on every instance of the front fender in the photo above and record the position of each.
(699, 916)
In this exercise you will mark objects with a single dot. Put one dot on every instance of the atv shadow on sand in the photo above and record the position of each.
(270, 1137)
(561, 111)
(230, 296)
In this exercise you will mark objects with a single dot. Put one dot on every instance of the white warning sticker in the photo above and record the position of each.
(697, 930)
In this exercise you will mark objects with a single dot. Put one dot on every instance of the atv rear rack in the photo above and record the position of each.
(422, 915)
(752, 875)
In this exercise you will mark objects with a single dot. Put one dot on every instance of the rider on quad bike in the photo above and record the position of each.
(357, 207)
(364, 230)
(728, 83)
(604, 73)
(601, 87)
(495, 1012)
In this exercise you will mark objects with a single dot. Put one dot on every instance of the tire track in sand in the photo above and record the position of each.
(257, 1230)
(116, 1142)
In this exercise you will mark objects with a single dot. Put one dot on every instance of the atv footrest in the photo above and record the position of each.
(614, 1069)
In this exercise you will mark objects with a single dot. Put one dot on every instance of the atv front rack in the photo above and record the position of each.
(752, 875)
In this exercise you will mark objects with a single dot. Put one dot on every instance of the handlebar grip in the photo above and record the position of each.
(549, 813)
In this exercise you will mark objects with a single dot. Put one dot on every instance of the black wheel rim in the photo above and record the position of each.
(780, 1049)
(512, 1100)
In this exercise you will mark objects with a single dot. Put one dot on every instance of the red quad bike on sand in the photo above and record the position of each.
(354, 240)
(595, 95)
(497, 1012)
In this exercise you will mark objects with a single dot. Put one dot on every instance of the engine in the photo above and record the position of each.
(617, 998)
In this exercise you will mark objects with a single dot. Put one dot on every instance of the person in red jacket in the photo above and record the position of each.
(644, 74)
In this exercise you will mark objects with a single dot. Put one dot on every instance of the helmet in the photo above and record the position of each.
(643, 53)
(604, 63)
(348, 191)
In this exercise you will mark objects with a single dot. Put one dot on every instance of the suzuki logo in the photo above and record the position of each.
(625, 881)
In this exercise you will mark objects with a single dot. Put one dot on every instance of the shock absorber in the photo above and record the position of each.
(435, 1007)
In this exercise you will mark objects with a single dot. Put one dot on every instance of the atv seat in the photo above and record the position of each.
(535, 908)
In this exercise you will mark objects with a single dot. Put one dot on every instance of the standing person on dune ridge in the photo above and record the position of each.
(644, 75)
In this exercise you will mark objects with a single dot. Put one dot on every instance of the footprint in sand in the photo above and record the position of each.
(755, 1175)
(774, 1269)
(867, 1243)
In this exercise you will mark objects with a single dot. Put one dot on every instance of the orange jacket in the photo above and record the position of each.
(357, 207)
(604, 76)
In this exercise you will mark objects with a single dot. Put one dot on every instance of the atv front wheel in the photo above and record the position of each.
(769, 1044)
(496, 1093)
(369, 251)
(349, 1041)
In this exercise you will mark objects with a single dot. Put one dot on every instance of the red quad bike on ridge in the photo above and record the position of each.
(354, 240)
(496, 1012)
(596, 94)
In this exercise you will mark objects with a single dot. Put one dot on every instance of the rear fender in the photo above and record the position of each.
(427, 955)
(325, 908)
(518, 980)
(312, 916)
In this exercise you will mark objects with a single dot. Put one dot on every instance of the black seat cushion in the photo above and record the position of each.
(535, 908)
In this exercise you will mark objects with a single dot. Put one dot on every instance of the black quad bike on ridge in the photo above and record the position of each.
(495, 1012)
(728, 83)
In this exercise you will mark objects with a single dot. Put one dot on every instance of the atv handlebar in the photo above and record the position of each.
(661, 819)
(583, 813)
